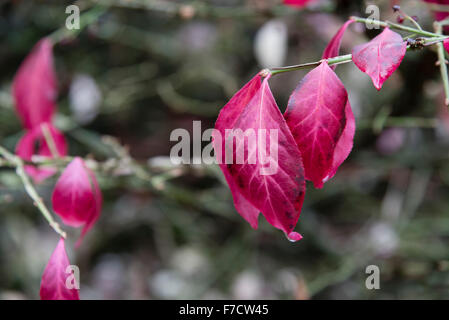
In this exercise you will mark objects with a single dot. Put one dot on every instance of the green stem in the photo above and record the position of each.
(331, 61)
(442, 62)
(31, 191)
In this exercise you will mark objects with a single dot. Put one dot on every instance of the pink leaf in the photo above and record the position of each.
(297, 3)
(34, 143)
(316, 117)
(77, 197)
(226, 120)
(333, 48)
(345, 143)
(54, 284)
(380, 57)
(34, 86)
(274, 182)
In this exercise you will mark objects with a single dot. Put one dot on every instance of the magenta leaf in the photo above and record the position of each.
(35, 87)
(380, 57)
(34, 143)
(226, 120)
(270, 174)
(345, 143)
(56, 283)
(297, 3)
(333, 48)
(77, 197)
(316, 117)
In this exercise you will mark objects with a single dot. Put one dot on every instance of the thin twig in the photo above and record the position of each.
(336, 60)
(409, 18)
(31, 191)
(394, 26)
(49, 140)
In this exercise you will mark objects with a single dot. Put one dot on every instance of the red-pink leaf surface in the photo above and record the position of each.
(54, 279)
(226, 120)
(274, 183)
(333, 48)
(297, 3)
(316, 117)
(380, 57)
(34, 143)
(344, 144)
(35, 87)
(77, 197)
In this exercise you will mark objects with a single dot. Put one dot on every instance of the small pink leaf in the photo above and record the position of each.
(316, 117)
(380, 57)
(34, 143)
(55, 279)
(35, 87)
(226, 120)
(77, 197)
(273, 183)
(333, 48)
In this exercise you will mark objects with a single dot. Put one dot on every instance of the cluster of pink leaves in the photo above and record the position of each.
(315, 136)
(77, 198)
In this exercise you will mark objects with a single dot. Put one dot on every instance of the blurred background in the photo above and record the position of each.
(141, 69)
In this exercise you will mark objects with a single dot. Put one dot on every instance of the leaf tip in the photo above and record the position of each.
(320, 184)
(294, 236)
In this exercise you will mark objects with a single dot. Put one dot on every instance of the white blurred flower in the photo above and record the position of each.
(167, 284)
(383, 238)
(286, 282)
(190, 262)
(247, 286)
(270, 45)
(85, 98)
